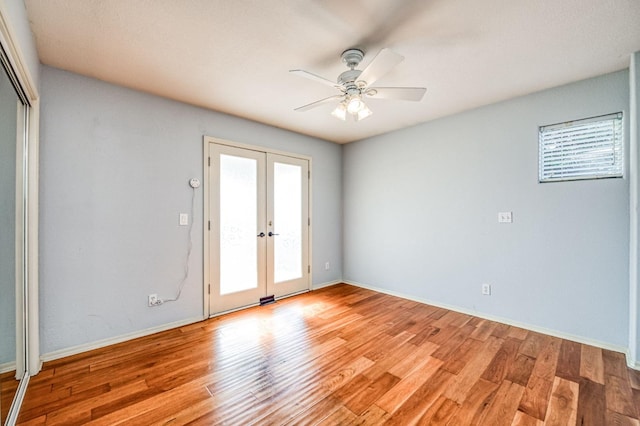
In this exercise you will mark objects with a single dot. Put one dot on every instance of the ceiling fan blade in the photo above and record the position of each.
(318, 103)
(384, 61)
(314, 77)
(400, 93)
(366, 23)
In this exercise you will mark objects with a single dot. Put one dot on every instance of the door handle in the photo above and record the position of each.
(271, 234)
(261, 234)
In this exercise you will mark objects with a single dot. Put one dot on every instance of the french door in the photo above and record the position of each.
(259, 226)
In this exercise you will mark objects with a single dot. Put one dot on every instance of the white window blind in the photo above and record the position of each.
(583, 149)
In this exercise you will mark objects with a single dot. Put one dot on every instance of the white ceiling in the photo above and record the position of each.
(234, 56)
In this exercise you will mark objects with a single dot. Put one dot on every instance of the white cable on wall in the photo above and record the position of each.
(194, 183)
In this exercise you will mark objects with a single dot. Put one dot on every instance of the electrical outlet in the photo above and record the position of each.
(486, 289)
(327, 266)
(505, 217)
(184, 219)
(153, 300)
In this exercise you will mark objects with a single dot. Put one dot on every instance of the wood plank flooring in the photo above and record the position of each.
(339, 356)
(8, 388)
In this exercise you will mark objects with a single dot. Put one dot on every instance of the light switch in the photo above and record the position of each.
(504, 217)
(486, 289)
(184, 219)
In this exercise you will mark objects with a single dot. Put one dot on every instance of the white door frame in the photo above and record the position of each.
(207, 141)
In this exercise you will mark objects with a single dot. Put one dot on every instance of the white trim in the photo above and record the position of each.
(206, 220)
(297, 293)
(327, 284)
(211, 139)
(631, 363)
(74, 350)
(503, 320)
(9, 42)
(310, 215)
(634, 180)
(20, 244)
(32, 302)
(256, 305)
(7, 366)
(230, 311)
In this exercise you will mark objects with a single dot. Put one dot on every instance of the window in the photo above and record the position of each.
(583, 149)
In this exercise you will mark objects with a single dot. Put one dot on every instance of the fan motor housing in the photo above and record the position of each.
(352, 57)
(349, 76)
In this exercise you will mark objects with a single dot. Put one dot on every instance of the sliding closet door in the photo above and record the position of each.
(13, 204)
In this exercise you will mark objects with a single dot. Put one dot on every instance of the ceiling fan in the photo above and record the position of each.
(355, 85)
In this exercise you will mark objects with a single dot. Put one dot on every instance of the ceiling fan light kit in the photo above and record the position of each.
(363, 113)
(340, 112)
(354, 85)
(354, 106)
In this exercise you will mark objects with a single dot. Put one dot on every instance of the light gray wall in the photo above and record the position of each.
(8, 127)
(114, 167)
(19, 21)
(421, 209)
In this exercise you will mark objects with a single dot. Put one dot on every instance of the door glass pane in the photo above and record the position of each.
(238, 224)
(287, 212)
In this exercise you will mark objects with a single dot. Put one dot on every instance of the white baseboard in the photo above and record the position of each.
(113, 340)
(551, 332)
(50, 356)
(635, 364)
(327, 284)
(508, 321)
(7, 366)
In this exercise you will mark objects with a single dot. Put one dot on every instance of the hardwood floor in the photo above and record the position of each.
(8, 388)
(340, 355)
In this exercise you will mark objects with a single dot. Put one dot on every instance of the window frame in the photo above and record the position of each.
(577, 153)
